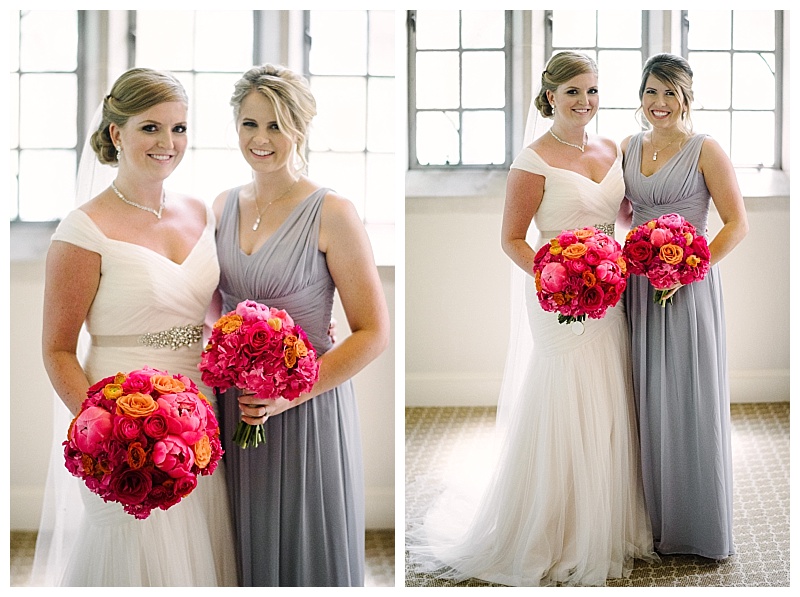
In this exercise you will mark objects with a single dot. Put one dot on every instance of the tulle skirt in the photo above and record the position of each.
(561, 502)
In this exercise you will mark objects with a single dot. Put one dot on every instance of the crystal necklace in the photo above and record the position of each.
(655, 151)
(144, 207)
(582, 146)
(261, 211)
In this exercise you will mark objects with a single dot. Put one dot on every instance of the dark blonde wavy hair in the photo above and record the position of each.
(290, 96)
(134, 92)
(675, 72)
(561, 68)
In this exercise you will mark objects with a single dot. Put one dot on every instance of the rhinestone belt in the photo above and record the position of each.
(173, 338)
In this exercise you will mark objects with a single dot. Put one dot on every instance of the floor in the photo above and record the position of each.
(379, 558)
(761, 498)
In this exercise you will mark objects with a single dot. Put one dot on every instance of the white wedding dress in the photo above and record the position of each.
(84, 541)
(563, 501)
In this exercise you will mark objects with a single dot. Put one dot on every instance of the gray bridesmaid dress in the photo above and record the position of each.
(298, 499)
(680, 375)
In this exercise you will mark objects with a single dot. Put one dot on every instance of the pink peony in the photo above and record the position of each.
(660, 237)
(92, 428)
(554, 277)
(173, 456)
(186, 415)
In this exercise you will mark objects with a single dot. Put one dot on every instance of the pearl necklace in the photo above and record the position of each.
(261, 211)
(144, 207)
(582, 146)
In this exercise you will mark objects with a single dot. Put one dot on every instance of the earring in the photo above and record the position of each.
(119, 151)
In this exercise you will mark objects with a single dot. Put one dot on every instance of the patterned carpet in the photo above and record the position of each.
(379, 548)
(761, 450)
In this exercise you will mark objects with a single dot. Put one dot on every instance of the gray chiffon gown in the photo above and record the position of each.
(680, 375)
(298, 499)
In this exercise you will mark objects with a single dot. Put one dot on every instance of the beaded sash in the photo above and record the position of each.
(604, 228)
(173, 338)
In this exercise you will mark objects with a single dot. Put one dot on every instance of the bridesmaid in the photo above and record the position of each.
(679, 355)
(287, 242)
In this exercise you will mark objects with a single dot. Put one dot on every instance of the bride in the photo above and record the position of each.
(564, 504)
(131, 263)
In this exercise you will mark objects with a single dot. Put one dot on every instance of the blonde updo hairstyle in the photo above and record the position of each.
(675, 72)
(561, 68)
(134, 92)
(290, 96)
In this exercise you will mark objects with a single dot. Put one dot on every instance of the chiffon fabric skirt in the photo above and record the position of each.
(563, 502)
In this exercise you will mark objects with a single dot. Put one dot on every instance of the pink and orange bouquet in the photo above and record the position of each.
(668, 251)
(259, 349)
(142, 438)
(579, 273)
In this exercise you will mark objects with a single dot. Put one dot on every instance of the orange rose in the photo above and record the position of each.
(692, 261)
(537, 278)
(558, 298)
(300, 348)
(202, 452)
(275, 323)
(112, 391)
(165, 384)
(671, 254)
(689, 238)
(136, 405)
(623, 265)
(574, 251)
(120, 378)
(137, 455)
(290, 357)
(229, 323)
(651, 224)
(589, 279)
(584, 233)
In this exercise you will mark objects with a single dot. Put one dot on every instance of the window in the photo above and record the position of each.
(43, 98)
(616, 40)
(55, 85)
(460, 85)
(352, 140)
(736, 59)
(208, 52)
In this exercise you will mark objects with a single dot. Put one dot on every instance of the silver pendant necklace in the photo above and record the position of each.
(261, 212)
(655, 151)
(582, 146)
(144, 207)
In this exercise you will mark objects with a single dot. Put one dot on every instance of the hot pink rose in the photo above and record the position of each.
(138, 381)
(173, 456)
(591, 298)
(127, 429)
(92, 428)
(156, 426)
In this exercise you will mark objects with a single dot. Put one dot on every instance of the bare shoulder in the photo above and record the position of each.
(338, 210)
(624, 144)
(712, 154)
(340, 224)
(219, 203)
